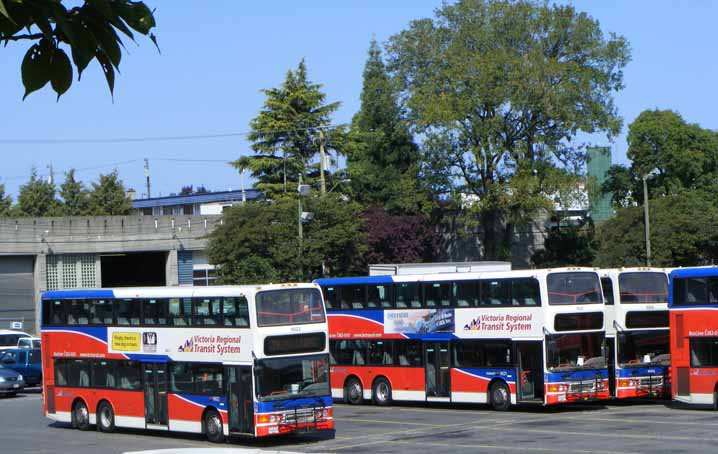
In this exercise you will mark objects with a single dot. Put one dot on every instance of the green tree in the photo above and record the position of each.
(108, 197)
(5, 202)
(37, 198)
(74, 195)
(500, 89)
(90, 31)
(684, 232)
(677, 154)
(567, 245)
(285, 135)
(259, 243)
(382, 158)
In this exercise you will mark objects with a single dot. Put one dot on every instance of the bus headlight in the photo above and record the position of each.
(557, 388)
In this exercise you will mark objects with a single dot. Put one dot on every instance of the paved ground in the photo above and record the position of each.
(615, 428)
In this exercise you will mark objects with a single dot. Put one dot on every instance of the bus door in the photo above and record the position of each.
(239, 399)
(611, 363)
(530, 370)
(436, 362)
(154, 382)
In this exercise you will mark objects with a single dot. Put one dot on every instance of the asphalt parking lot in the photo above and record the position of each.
(638, 427)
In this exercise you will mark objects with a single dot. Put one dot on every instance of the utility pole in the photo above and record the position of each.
(646, 220)
(51, 176)
(147, 176)
(321, 163)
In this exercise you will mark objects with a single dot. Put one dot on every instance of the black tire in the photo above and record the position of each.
(13, 394)
(80, 416)
(381, 392)
(353, 392)
(715, 400)
(213, 428)
(105, 418)
(499, 396)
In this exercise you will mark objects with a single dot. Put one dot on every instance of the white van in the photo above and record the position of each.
(28, 342)
(9, 338)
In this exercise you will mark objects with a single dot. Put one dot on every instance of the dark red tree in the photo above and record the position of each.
(399, 238)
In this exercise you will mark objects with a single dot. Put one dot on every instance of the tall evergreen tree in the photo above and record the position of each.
(74, 195)
(108, 197)
(382, 158)
(285, 134)
(37, 198)
(5, 202)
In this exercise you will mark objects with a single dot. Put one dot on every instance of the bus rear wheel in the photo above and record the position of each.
(353, 392)
(381, 393)
(80, 416)
(105, 418)
(499, 396)
(213, 427)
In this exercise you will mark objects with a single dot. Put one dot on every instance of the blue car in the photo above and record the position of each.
(25, 361)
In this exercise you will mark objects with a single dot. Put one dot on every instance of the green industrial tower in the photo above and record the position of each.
(598, 161)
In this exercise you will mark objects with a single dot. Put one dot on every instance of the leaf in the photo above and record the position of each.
(154, 40)
(35, 66)
(3, 10)
(137, 15)
(107, 68)
(103, 7)
(83, 46)
(107, 39)
(61, 73)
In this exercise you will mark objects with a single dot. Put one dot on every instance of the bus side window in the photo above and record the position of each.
(407, 353)
(60, 372)
(128, 312)
(330, 297)
(179, 311)
(235, 312)
(379, 296)
(496, 292)
(696, 290)
(78, 312)
(408, 294)
(465, 293)
(128, 375)
(102, 312)
(712, 290)
(59, 314)
(525, 292)
(206, 311)
(607, 286)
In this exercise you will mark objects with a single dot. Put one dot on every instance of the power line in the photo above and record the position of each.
(172, 138)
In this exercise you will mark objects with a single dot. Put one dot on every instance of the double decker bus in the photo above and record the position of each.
(500, 338)
(216, 360)
(637, 331)
(693, 307)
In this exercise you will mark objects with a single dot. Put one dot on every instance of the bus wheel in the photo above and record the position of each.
(353, 392)
(213, 427)
(105, 418)
(499, 396)
(381, 392)
(80, 416)
(715, 400)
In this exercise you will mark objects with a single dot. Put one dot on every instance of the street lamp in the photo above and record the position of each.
(646, 219)
(342, 181)
(303, 217)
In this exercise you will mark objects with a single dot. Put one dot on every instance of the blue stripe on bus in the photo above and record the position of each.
(490, 373)
(695, 272)
(576, 375)
(640, 371)
(219, 402)
(78, 294)
(355, 280)
(291, 404)
(97, 332)
(147, 358)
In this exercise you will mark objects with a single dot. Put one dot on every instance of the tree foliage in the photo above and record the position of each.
(108, 197)
(567, 245)
(74, 196)
(499, 89)
(5, 202)
(684, 232)
(259, 242)
(286, 133)
(383, 161)
(677, 155)
(90, 31)
(37, 198)
(399, 238)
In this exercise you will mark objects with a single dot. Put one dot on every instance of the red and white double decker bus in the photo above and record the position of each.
(693, 306)
(492, 337)
(214, 360)
(637, 331)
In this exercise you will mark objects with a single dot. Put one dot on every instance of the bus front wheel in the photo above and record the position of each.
(213, 427)
(499, 396)
(353, 392)
(382, 392)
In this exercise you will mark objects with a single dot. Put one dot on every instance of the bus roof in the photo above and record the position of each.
(703, 271)
(167, 292)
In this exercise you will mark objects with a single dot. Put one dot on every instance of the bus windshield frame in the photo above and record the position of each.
(643, 288)
(293, 377)
(590, 354)
(573, 288)
(293, 306)
(646, 348)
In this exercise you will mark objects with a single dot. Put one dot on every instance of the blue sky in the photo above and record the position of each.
(217, 55)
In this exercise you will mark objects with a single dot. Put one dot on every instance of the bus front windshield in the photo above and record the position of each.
(573, 288)
(646, 288)
(568, 352)
(292, 378)
(643, 348)
(289, 307)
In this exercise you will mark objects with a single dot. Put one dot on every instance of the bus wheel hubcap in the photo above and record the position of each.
(354, 391)
(383, 391)
(105, 417)
(500, 396)
(213, 425)
(81, 414)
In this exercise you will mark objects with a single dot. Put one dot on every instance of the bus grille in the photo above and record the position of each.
(651, 382)
(300, 416)
(582, 387)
